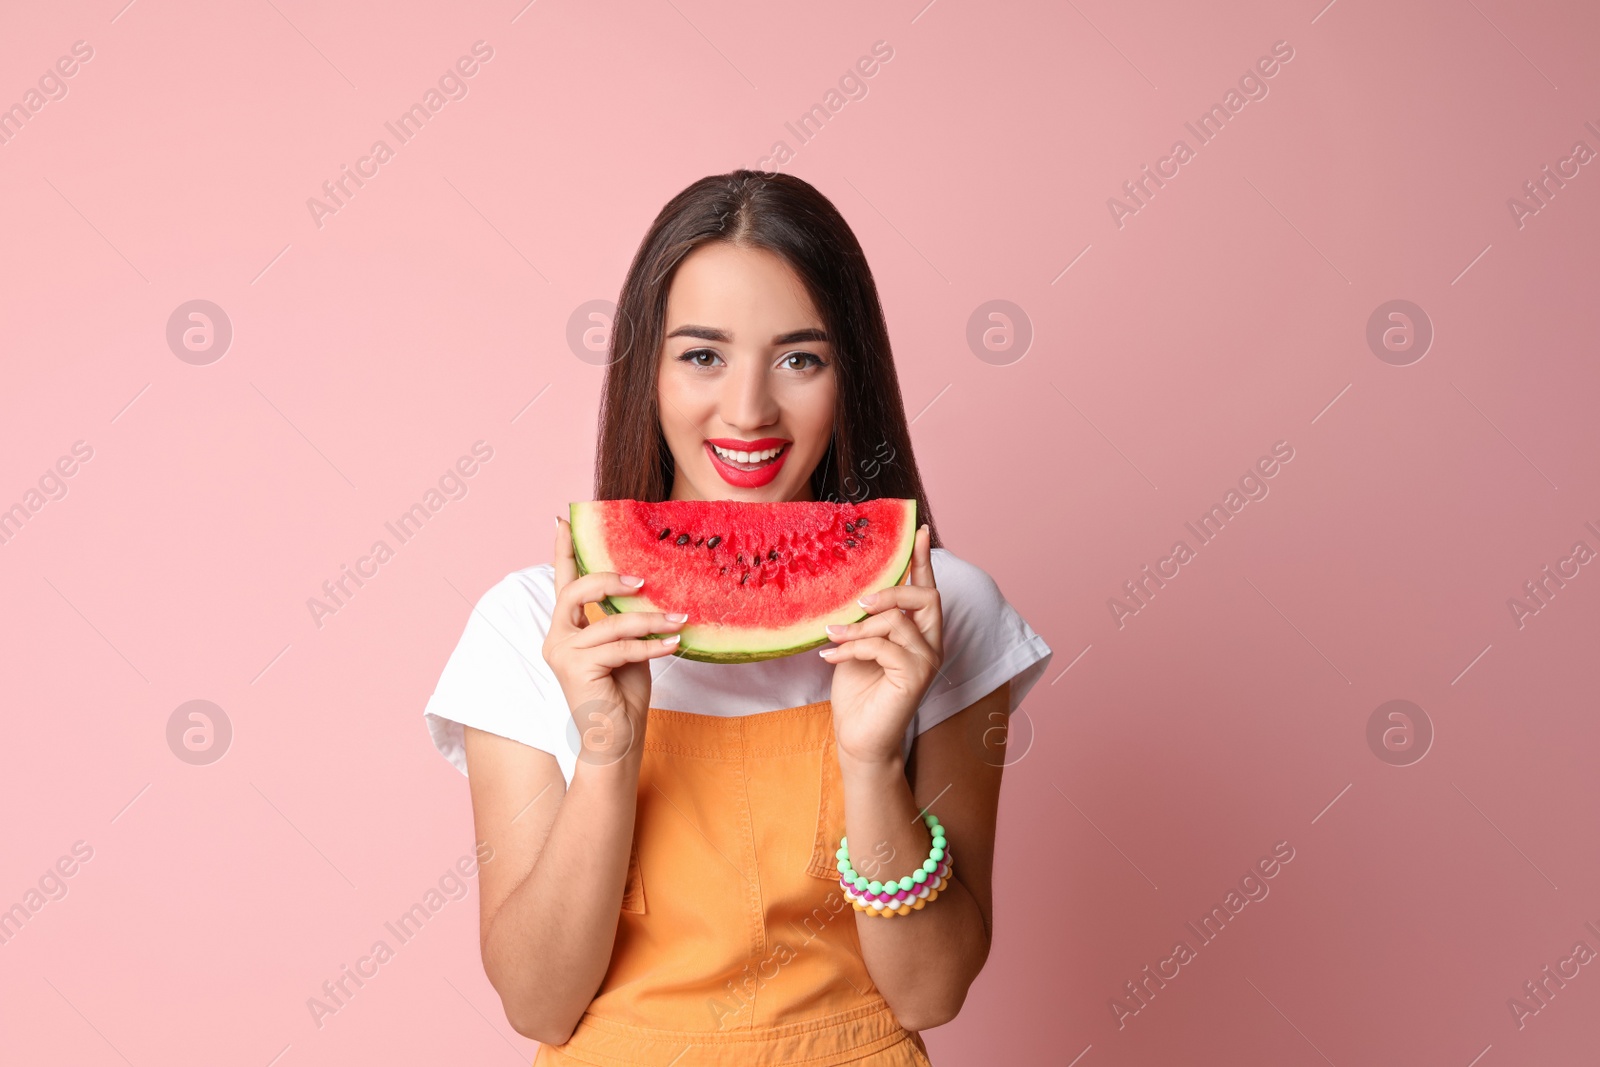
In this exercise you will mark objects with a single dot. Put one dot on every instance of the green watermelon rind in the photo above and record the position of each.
(686, 649)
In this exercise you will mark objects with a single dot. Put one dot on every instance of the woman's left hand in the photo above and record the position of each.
(885, 663)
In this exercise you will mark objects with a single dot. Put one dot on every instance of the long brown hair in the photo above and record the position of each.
(870, 454)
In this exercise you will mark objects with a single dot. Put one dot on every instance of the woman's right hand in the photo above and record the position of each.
(602, 666)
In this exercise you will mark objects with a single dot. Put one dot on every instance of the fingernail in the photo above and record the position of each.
(868, 600)
(628, 579)
(834, 629)
(671, 640)
(677, 616)
(826, 652)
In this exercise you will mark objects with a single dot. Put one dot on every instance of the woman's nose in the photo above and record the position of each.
(747, 400)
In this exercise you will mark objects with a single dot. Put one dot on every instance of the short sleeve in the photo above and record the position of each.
(497, 680)
(986, 643)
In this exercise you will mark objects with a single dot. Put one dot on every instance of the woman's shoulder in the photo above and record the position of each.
(986, 641)
(496, 679)
(526, 593)
(963, 583)
(980, 624)
(516, 609)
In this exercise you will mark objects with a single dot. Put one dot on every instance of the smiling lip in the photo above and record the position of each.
(751, 479)
(737, 445)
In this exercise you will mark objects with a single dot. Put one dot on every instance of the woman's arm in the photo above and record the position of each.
(924, 962)
(548, 912)
(550, 901)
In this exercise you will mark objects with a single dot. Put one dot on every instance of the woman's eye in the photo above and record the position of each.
(693, 356)
(706, 358)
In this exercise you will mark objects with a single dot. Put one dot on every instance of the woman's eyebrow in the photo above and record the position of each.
(809, 334)
(711, 333)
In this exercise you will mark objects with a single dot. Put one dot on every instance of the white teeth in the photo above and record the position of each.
(747, 457)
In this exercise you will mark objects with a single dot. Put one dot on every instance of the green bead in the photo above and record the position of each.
(861, 884)
(936, 854)
(842, 853)
(937, 828)
(906, 882)
(930, 818)
(919, 876)
(874, 886)
(843, 867)
(938, 841)
(930, 865)
(844, 842)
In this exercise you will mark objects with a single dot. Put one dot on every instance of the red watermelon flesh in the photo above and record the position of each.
(757, 579)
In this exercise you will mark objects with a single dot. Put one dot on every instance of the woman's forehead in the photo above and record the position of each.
(743, 292)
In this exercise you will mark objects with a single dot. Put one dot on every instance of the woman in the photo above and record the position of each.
(665, 887)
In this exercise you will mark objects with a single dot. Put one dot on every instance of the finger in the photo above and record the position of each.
(620, 627)
(922, 558)
(922, 603)
(906, 597)
(887, 654)
(566, 563)
(591, 588)
(893, 625)
(631, 650)
(900, 630)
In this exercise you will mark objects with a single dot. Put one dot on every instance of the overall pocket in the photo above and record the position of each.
(633, 889)
(830, 815)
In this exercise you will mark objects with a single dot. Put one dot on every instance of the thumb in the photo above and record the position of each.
(566, 562)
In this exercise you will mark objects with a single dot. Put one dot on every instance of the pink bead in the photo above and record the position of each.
(898, 897)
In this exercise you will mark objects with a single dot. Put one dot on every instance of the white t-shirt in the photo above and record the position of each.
(497, 679)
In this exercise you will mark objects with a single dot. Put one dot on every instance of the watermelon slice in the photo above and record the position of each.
(759, 580)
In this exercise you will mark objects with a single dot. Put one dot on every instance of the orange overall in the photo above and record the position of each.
(735, 944)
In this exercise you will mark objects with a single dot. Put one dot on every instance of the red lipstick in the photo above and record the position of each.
(748, 479)
(736, 445)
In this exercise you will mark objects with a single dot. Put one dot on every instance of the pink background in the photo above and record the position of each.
(1167, 755)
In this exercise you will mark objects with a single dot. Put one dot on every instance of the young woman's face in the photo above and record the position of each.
(746, 367)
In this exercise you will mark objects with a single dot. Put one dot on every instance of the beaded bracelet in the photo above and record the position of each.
(903, 896)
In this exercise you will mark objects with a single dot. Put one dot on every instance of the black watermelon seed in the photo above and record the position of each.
(861, 521)
(723, 571)
(663, 534)
(850, 542)
(715, 541)
(772, 553)
(741, 559)
(683, 539)
(698, 541)
(849, 527)
(743, 576)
